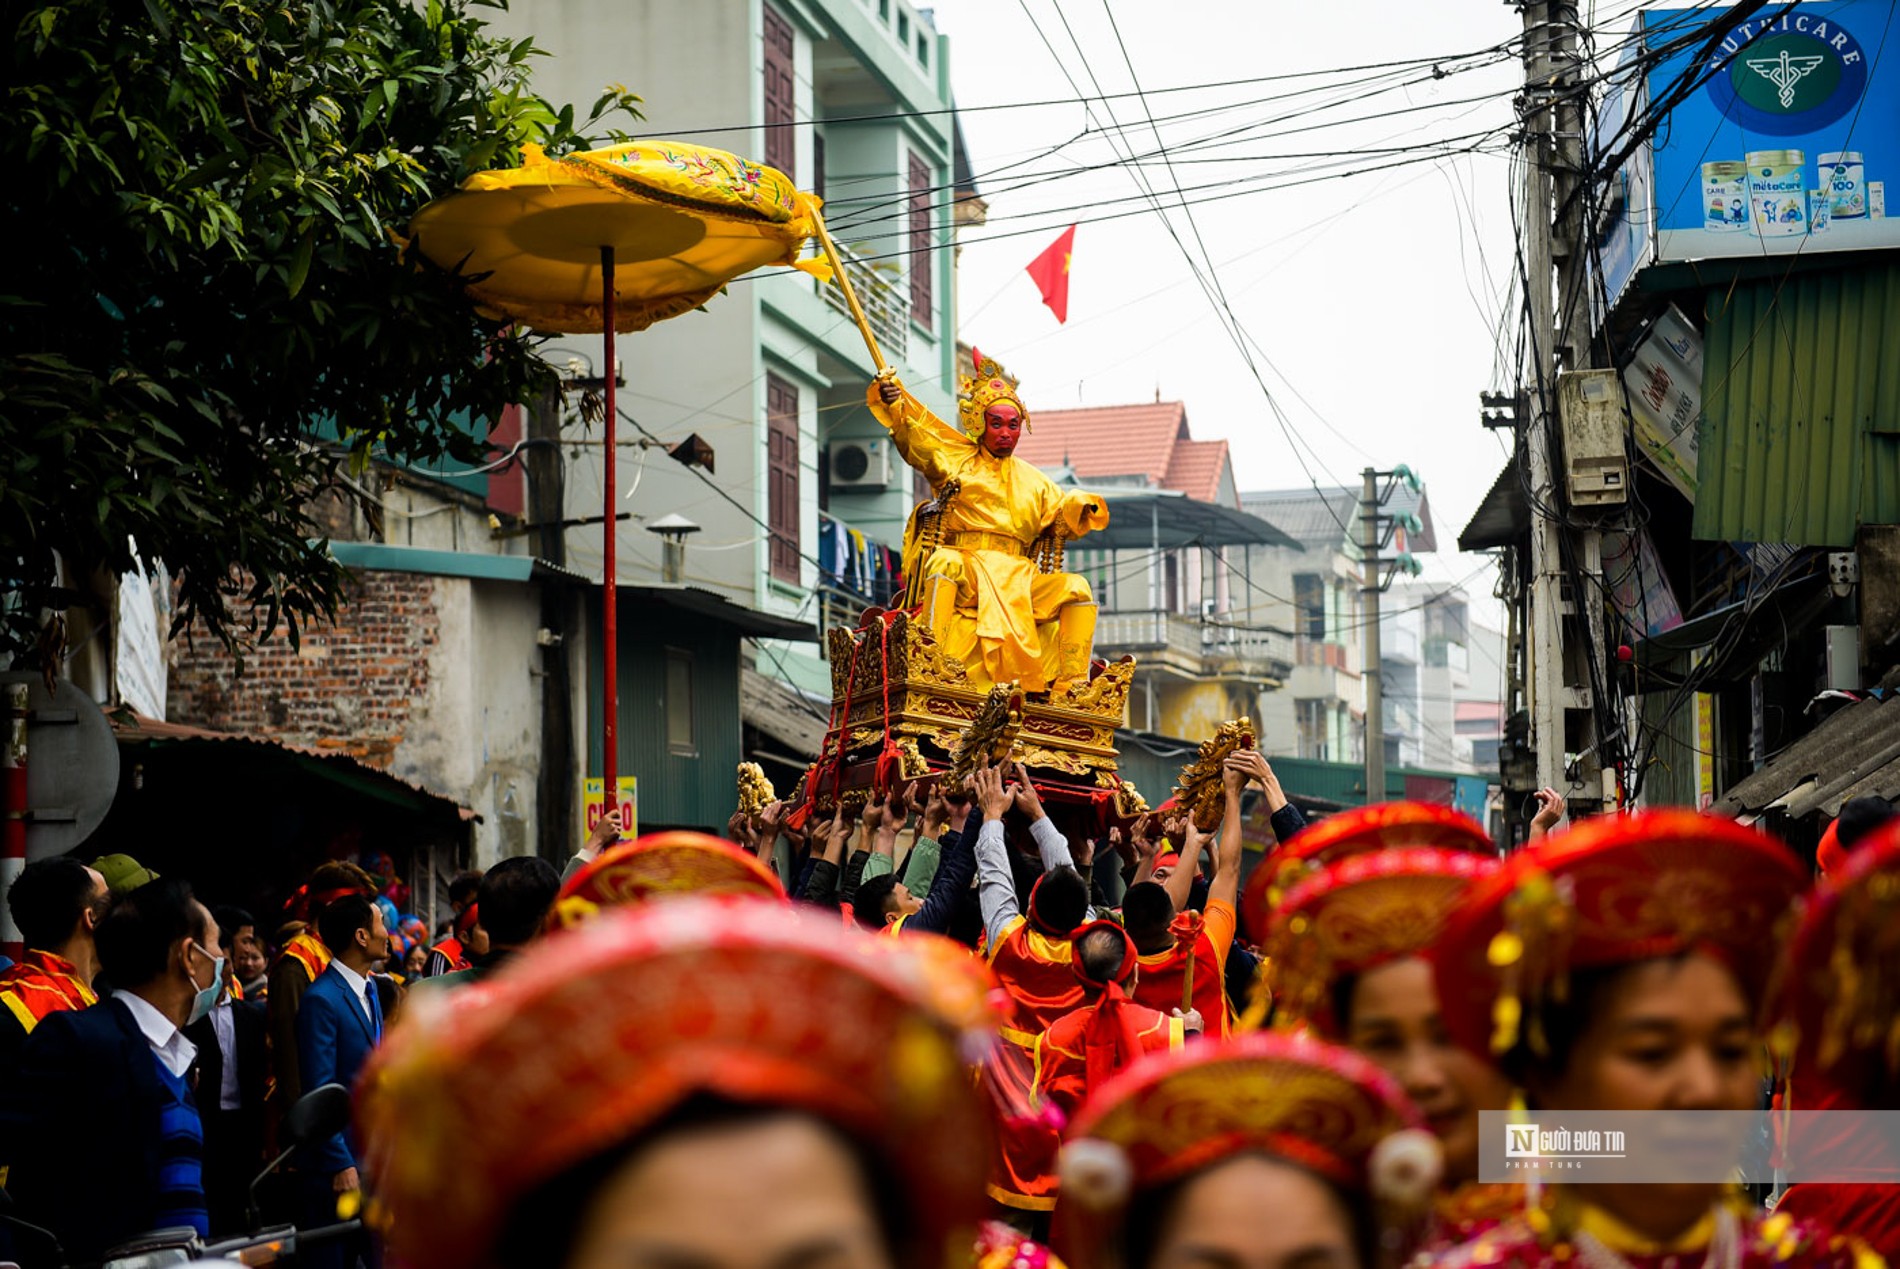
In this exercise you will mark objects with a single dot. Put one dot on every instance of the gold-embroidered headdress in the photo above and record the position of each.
(977, 393)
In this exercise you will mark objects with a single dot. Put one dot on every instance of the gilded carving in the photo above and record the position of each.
(991, 734)
(1199, 788)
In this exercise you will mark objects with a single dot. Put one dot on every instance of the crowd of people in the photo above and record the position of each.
(938, 1031)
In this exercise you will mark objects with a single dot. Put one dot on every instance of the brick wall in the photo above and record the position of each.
(352, 684)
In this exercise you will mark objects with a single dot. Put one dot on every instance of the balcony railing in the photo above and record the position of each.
(886, 307)
(1194, 645)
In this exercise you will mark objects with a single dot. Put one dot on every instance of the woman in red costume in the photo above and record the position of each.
(723, 1083)
(1621, 967)
(1840, 1009)
(1265, 1150)
(1346, 955)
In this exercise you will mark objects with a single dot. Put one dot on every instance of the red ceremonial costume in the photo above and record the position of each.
(1617, 891)
(662, 866)
(1192, 974)
(1353, 916)
(1842, 998)
(595, 1035)
(42, 983)
(1034, 966)
(1086, 1047)
(1325, 1109)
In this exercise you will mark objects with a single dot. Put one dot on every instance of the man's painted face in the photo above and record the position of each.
(1002, 429)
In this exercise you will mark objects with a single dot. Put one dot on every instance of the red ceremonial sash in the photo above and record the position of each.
(41, 984)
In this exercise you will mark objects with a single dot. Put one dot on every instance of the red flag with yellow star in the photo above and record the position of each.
(1050, 272)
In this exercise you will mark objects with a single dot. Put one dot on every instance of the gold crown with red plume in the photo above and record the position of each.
(978, 392)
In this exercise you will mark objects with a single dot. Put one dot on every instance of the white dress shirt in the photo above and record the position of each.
(358, 986)
(166, 1040)
(224, 1026)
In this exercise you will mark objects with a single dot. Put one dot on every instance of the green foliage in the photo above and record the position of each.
(200, 211)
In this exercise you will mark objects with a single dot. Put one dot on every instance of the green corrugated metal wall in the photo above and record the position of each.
(677, 790)
(1341, 782)
(1801, 397)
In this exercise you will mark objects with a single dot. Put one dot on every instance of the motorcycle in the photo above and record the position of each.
(319, 1113)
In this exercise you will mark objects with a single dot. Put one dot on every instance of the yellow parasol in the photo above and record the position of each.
(615, 240)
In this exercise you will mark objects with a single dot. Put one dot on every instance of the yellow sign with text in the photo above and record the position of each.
(595, 803)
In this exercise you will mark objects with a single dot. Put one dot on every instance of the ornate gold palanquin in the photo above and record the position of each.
(891, 682)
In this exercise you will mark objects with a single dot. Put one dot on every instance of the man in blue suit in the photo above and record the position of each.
(339, 1020)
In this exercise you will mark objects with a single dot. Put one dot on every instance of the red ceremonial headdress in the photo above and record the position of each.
(1356, 832)
(591, 1037)
(1611, 891)
(660, 866)
(1321, 1107)
(1358, 913)
(1839, 1011)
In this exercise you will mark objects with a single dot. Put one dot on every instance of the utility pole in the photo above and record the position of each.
(1370, 586)
(1552, 117)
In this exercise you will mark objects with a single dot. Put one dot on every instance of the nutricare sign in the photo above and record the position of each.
(1786, 144)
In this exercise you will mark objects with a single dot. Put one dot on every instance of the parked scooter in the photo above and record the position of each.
(319, 1113)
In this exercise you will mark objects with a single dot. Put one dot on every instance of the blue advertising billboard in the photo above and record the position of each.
(1790, 137)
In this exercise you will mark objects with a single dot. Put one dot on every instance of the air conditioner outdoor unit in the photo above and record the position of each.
(861, 464)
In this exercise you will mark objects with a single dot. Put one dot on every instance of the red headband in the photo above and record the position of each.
(1110, 1042)
(1128, 963)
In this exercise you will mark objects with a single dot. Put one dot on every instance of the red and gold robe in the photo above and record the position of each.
(1037, 972)
(1193, 973)
(1753, 1241)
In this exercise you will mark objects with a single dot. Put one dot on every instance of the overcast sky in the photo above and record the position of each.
(1373, 298)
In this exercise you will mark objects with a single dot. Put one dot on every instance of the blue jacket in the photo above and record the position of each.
(334, 1038)
(79, 1125)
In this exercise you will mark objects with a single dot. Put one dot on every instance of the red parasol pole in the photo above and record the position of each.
(610, 650)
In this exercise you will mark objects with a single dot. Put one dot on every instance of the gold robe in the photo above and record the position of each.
(983, 598)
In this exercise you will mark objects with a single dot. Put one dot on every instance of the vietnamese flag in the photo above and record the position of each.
(1050, 271)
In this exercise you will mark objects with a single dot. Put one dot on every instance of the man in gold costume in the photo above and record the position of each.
(983, 598)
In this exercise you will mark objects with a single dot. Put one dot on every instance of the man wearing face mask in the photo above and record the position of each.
(339, 1021)
(983, 598)
(100, 1125)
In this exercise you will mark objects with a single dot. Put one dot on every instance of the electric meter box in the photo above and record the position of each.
(1591, 410)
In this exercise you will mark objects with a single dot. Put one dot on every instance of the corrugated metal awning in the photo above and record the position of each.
(1502, 518)
(1801, 397)
(331, 760)
(1856, 753)
(782, 712)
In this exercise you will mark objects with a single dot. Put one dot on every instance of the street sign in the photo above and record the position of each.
(72, 765)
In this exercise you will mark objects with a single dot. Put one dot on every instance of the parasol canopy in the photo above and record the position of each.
(681, 221)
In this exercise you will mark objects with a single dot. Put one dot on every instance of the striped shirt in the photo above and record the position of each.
(180, 1199)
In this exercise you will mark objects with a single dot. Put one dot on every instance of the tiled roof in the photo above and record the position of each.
(1115, 440)
(1195, 469)
(1329, 515)
(1305, 514)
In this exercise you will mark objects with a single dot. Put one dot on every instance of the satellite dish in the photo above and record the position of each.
(72, 765)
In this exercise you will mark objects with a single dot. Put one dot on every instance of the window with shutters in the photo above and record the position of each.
(781, 429)
(922, 259)
(781, 139)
